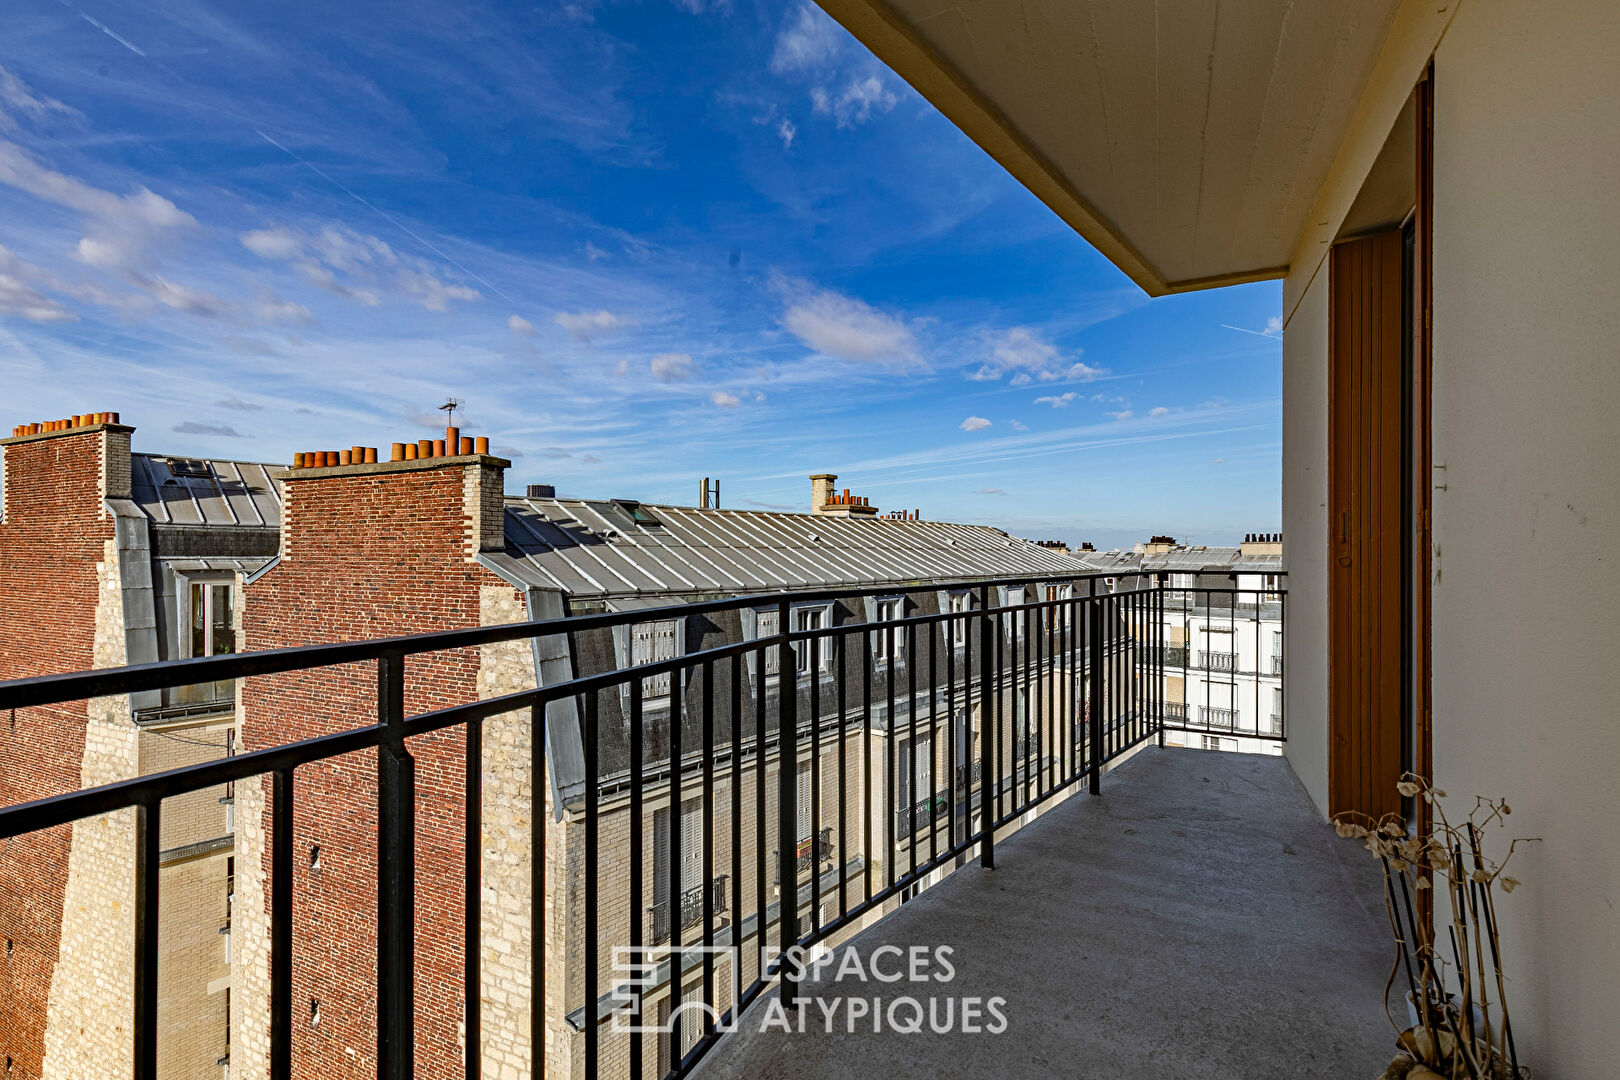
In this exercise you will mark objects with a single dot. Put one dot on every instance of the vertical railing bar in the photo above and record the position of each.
(987, 732)
(814, 647)
(734, 666)
(761, 696)
(787, 724)
(890, 762)
(1002, 680)
(281, 917)
(472, 901)
(953, 753)
(675, 819)
(866, 759)
(638, 909)
(1094, 721)
(843, 779)
(593, 893)
(933, 743)
(148, 836)
(910, 810)
(707, 874)
(537, 891)
(396, 878)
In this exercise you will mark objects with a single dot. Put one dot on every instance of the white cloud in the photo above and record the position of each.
(1022, 352)
(520, 326)
(1123, 414)
(17, 99)
(592, 252)
(856, 102)
(990, 491)
(365, 261)
(1019, 425)
(1159, 410)
(848, 329)
(1273, 329)
(20, 299)
(585, 325)
(1220, 461)
(786, 131)
(725, 400)
(239, 405)
(1057, 401)
(809, 41)
(974, 423)
(671, 367)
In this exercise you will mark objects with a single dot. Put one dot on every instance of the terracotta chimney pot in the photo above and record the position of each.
(466, 445)
(481, 444)
(370, 454)
(411, 450)
(424, 448)
(452, 438)
(438, 448)
(397, 451)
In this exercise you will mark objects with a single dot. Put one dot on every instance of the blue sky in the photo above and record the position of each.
(646, 242)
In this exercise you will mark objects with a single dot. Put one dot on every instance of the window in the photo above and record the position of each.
(806, 806)
(960, 603)
(213, 632)
(1014, 597)
(888, 642)
(691, 868)
(649, 643)
(1211, 742)
(920, 755)
(767, 624)
(638, 513)
(1181, 581)
(814, 651)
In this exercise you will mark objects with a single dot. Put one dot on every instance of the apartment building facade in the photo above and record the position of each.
(1222, 624)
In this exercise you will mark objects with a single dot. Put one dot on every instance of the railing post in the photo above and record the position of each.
(1157, 672)
(1094, 723)
(988, 731)
(787, 806)
(396, 878)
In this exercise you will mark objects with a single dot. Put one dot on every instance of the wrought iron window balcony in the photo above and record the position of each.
(690, 906)
(1218, 719)
(1217, 661)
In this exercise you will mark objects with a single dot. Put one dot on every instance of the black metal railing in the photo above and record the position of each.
(690, 906)
(1049, 691)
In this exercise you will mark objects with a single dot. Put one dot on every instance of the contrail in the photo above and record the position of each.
(385, 215)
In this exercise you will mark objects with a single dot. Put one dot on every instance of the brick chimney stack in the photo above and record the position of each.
(829, 503)
(1262, 544)
(53, 464)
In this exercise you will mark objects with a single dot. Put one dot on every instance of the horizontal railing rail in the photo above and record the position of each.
(1038, 695)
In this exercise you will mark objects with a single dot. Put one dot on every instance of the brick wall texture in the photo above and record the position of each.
(53, 536)
(364, 556)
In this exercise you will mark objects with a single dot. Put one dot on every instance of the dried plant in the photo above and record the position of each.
(1463, 1031)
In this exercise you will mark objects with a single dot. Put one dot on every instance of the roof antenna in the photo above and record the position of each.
(449, 409)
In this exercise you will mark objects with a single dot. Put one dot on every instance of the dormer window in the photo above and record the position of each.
(816, 617)
(888, 642)
(961, 602)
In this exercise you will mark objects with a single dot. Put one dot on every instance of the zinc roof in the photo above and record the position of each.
(205, 491)
(593, 547)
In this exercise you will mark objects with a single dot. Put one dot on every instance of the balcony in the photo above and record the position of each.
(1218, 719)
(1196, 920)
(1217, 661)
(690, 908)
(765, 775)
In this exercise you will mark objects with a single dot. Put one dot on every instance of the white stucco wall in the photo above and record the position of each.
(1305, 539)
(1526, 390)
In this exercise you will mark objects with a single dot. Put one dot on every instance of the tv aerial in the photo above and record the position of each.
(449, 409)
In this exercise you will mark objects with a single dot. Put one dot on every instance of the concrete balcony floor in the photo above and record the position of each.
(1196, 920)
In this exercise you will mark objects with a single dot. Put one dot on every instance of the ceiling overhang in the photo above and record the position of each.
(1189, 143)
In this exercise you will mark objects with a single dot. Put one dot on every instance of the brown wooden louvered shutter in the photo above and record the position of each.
(1364, 542)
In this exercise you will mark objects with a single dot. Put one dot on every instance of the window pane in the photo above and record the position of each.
(224, 632)
(199, 623)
